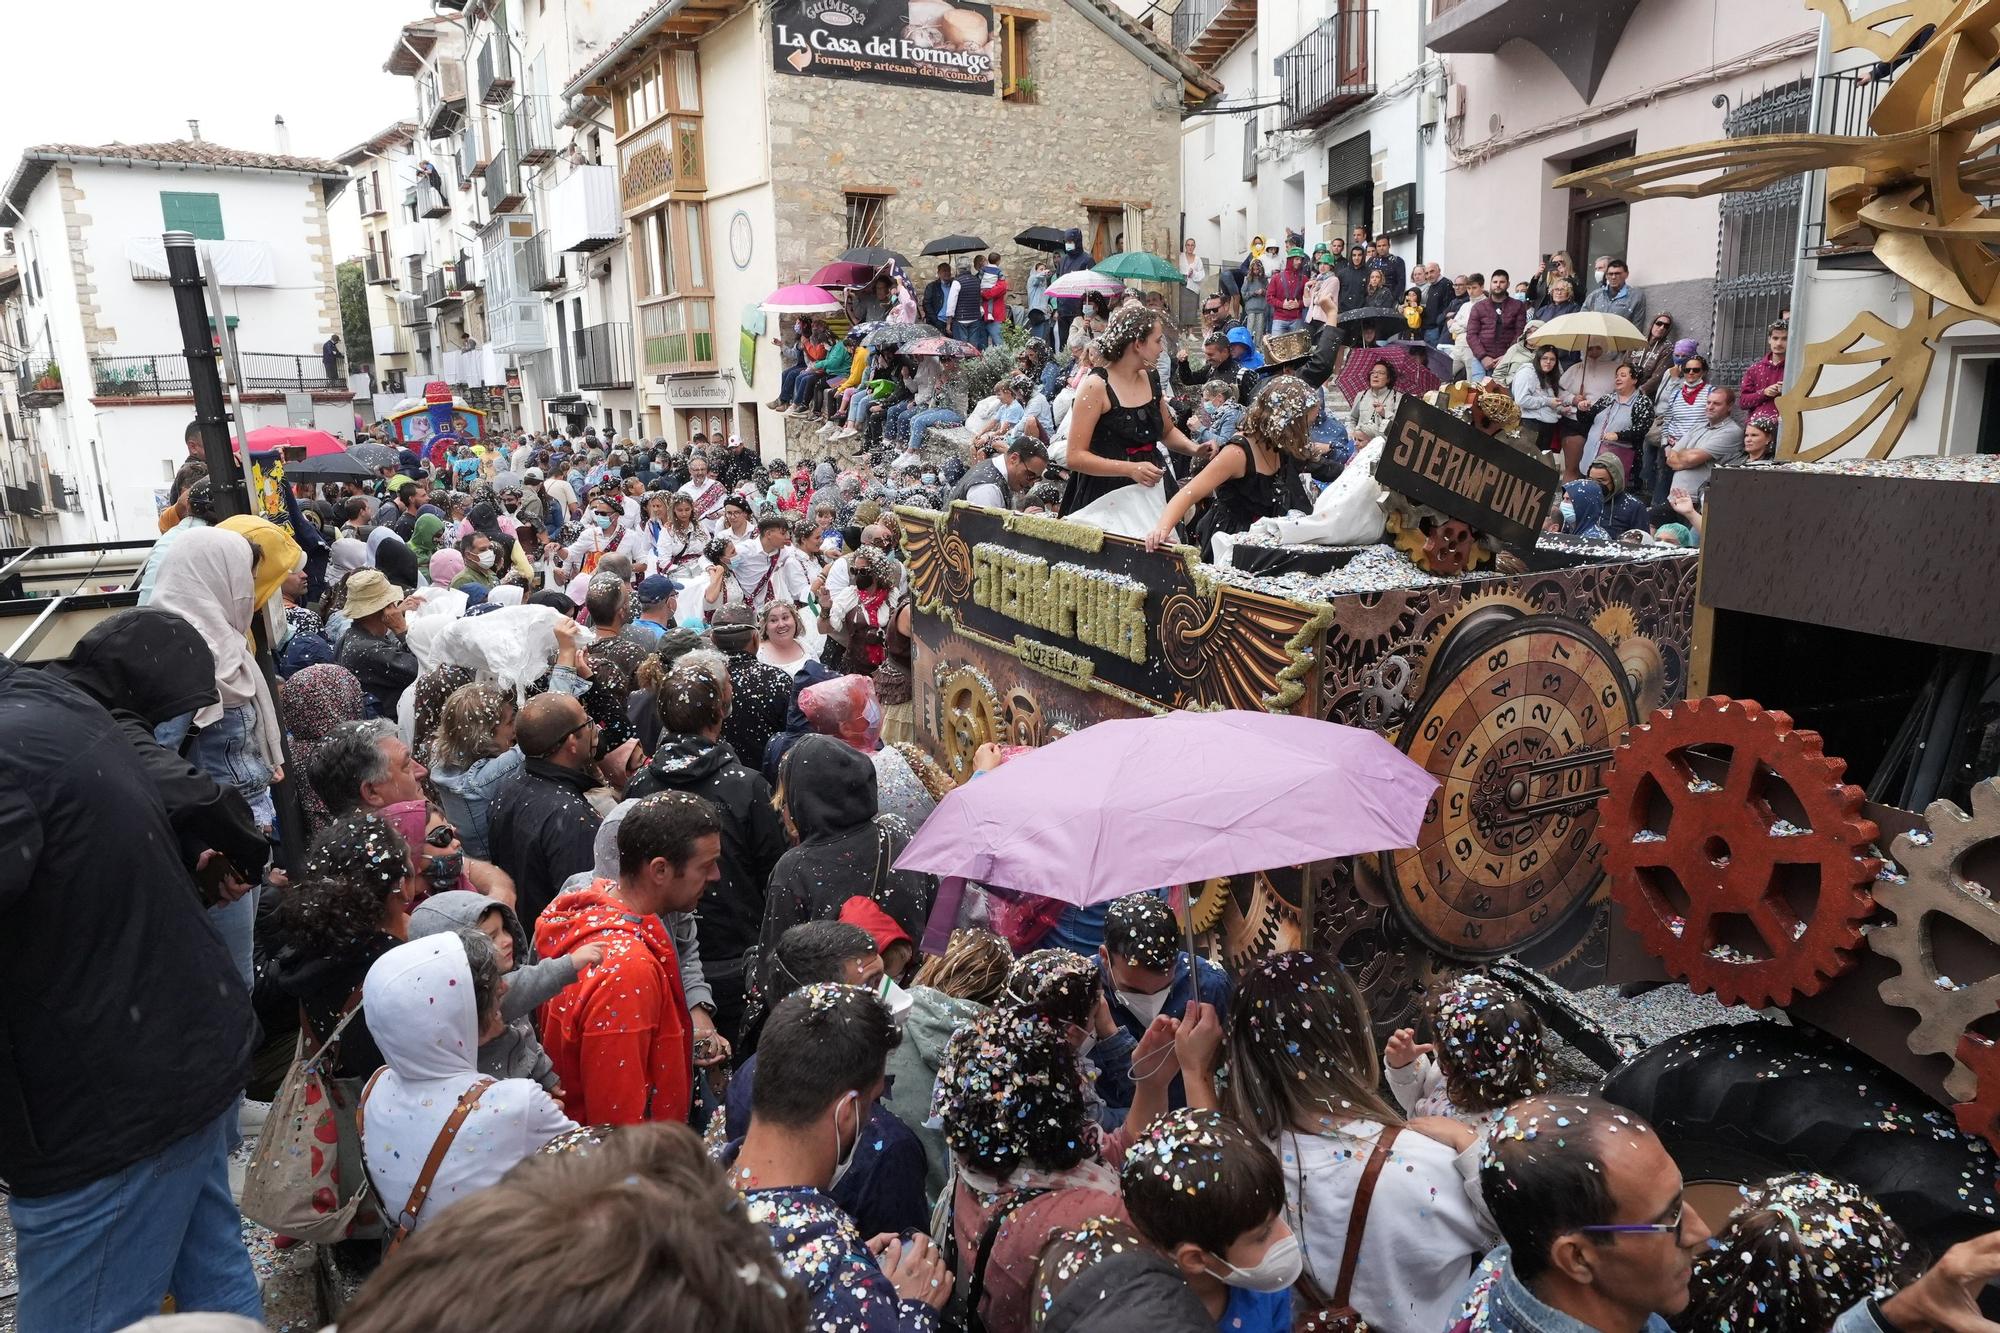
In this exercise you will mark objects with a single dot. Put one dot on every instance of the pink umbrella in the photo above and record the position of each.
(951, 347)
(1175, 799)
(1413, 374)
(800, 299)
(317, 442)
(843, 273)
(1085, 280)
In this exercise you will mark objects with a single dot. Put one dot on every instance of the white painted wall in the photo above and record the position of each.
(1223, 211)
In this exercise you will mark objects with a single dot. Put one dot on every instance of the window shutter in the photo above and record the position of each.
(199, 214)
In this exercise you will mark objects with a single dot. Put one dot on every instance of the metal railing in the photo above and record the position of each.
(370, 199)
(441, 97)
(537, 136)
(545, 269)
(40, 375)
(1845, 106)
(166, 375)
(412, 311)
(1332, 69)
(374, 271)
(1192, 18)
(603, 354)
(496, 70)
(503, 183)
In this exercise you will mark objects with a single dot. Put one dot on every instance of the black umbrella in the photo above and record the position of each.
(954, 245)
(1050, 239)
(874, 256)
(371, 456)
(1370, 312)
(328, 467)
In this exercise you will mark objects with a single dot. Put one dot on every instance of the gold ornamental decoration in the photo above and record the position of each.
(1913, 190)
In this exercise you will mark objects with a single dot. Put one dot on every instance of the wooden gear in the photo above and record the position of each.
(1934, 884)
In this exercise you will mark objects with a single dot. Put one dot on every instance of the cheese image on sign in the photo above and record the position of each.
(946, 45)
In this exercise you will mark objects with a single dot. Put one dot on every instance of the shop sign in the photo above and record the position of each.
(1486, 483)
(697, 391)
(946, 45)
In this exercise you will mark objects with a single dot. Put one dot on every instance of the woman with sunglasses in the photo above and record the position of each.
(1681, 407)
(1654, 359)
(435, 851)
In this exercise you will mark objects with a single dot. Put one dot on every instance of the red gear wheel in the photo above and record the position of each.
(1698, 865)
(1980, 1117)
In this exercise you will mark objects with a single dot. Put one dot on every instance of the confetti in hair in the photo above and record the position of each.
(1010, 1092)
(1129, 325)
(1491, 1047)
(1060, 983)
(1142, 929)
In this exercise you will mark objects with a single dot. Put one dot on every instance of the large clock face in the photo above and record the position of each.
(1517, 726)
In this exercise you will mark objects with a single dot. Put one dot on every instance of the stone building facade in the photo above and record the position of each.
(738, 173)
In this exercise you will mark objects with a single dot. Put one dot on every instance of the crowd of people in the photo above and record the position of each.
(598, 759)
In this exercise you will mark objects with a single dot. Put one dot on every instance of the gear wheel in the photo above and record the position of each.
(1934, 882)
(1205, 904)
(1705, 884)
(1615, 623)
(1980, 1115)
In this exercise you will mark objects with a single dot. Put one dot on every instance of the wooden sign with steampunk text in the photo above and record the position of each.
(1486, 483)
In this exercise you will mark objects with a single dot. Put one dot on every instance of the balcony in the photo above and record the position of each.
(471, 159)
(678, 334)
(503, 184)
(545, 265)
(538, 139)
(166, 375)
(496, 70)
(376, 272)
(412, 312)
(603, 355)
(583, 210)
(1577, 39)
(41, 382)
(1207, 30)
(1833, 234)
(370, 200)
(441, 98)
(441, 287)
(430, 198)
(1332, 70)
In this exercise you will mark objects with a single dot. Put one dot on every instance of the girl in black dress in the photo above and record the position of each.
(1257, 474)
(1120, 419)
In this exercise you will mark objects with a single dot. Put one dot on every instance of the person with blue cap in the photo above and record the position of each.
(656, 609)
(1243, 349)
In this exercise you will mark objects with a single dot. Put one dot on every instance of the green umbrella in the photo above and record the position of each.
(1138, 266)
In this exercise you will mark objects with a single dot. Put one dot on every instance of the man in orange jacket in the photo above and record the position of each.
(620, 1037)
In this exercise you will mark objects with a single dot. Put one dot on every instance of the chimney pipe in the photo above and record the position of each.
(284, 135)
(194, 130)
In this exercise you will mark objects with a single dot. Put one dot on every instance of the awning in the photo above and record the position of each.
(234, 263)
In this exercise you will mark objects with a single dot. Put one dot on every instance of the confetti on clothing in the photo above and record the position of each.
(822, 1250)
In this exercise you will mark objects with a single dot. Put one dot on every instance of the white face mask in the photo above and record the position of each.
(486, 559)
(895, 999)
(843, 1160)
(1144, 1007)
(1278, 1269)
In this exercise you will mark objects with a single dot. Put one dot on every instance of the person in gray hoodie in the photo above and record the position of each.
(950, 991)
(517, 1052)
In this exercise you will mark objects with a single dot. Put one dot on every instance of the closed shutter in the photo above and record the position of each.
(1349, 164)
(199, 214)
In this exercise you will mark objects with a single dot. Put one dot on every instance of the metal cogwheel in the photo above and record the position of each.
(1702, 867)
(1935, 882)
(1205, 904)
(1615, 623)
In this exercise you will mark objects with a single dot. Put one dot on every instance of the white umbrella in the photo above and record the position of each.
(1083, 281)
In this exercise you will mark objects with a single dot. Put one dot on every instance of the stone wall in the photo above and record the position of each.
(96, 334)
(1104, 128)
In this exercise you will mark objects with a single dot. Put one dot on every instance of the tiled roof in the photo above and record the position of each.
(37, 161)
(403, 131)
(191, 152)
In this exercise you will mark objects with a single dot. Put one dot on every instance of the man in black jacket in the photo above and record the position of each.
(125, 1032)
(693, 757)
(147, 666)
(935, 292)
(542, 830)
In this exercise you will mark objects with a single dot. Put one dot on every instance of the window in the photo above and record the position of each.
(200, 214)
(696, 246)
(867, 216)
(642, 101)
(1017, 84)
(687, 81)
(1759, 242)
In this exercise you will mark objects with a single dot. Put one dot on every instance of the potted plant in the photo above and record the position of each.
(51, 377)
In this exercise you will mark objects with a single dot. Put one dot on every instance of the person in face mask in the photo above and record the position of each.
(1207, 1196)
(1146, 973)
(882, 1187)
(824, 1054)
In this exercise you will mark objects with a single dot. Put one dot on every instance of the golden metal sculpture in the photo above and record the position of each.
(1913, 190)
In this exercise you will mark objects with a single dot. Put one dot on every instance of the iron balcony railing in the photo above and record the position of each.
(503, 184)
(441, 98)
(545, 270)
(603, 355)
(496, 70)
(40, 381)
(375, 271)
(1332, 69)
(166, 375)
(537, 136)
(1846, 104)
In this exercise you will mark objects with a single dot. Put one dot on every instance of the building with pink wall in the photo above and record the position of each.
(1543, 87)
